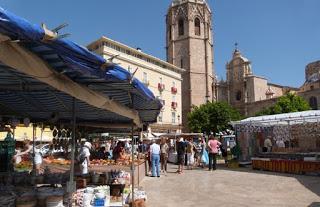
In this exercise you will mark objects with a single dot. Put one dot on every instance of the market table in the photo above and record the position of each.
(139, 172)
(286, 166)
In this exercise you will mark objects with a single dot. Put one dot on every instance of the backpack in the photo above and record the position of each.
(81, 157)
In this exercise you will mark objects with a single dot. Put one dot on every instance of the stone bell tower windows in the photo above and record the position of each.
(181, 27)
(197, 27)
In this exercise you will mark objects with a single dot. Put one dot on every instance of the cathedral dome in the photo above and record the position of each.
(237, 54)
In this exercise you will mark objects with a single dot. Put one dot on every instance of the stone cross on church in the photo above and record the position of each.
(189, 45)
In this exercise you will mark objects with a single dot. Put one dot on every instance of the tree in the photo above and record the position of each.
(286, 104)
(212, 117)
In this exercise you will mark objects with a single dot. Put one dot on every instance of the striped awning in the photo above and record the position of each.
(72, 70)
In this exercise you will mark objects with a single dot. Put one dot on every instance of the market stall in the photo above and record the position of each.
(283, 143)
(55, 82)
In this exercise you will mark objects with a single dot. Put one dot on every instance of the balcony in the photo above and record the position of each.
(174, 105)
(174, 90)
(161, 86)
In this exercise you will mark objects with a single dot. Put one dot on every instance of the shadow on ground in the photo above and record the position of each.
(313, 185)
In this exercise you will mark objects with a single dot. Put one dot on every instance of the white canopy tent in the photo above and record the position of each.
(282, 119)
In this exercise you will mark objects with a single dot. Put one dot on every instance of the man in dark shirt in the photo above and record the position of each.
(181, 150)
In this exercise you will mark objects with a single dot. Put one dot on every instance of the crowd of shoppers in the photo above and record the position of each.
(190, 153)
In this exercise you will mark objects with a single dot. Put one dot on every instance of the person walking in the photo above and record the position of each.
(181, 151)
(84, 158)
(155, 158)
(190, 154)
(224, 149)
(164, 155)
(213, 146)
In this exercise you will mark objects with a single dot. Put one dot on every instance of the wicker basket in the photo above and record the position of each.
(27, 204)
(54, 201)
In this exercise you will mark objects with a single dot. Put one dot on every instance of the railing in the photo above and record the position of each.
(161, 86)
(174, 90)
(174, 105)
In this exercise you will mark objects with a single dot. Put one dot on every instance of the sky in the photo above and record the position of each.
(279, 37)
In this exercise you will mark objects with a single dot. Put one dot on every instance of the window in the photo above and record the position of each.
(173, 84)
(129, 69)
(238, 96)
(145, 77)
(311, 87)
(160, 116)
(197, 27)
(173, 117)
(170, 33)
(313, 102)
(181, 63)
(181, 27)
(173, 98)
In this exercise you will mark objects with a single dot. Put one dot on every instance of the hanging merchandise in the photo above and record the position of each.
(26, 122)
(55, 132)
(63, 133)
(281, 133)
(14, 122)
(59, 133)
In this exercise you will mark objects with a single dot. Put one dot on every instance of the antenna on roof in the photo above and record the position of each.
(53, 34)
(132, 75)
(60, 27)
(63, 36)
(113, 57)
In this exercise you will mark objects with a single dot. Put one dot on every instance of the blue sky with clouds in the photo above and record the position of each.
(279, 37)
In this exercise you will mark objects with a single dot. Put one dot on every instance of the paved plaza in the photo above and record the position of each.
(241, 187)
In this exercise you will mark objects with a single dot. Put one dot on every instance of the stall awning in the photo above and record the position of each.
(38, 68)
(282, 119)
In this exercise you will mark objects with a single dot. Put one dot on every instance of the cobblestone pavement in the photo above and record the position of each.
(224, 187)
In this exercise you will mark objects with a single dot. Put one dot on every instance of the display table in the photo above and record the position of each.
(286, 166)
(139, 171)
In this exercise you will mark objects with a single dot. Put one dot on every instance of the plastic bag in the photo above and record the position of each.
(205, 157)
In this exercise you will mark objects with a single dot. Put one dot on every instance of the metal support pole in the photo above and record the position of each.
(33, 155)
(71, 185)
(132, 163)
(14, 132)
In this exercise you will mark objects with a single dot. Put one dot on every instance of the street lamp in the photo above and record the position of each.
(179, 123)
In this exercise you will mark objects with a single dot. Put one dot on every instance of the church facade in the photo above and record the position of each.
(250, 93)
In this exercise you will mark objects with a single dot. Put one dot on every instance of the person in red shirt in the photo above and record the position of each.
(213, 146)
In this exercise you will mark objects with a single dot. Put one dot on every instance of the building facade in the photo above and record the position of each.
(245, 91)
(310, 90)
(162, 78)
(189, 45)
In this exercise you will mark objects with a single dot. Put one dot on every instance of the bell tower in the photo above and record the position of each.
(189, 45)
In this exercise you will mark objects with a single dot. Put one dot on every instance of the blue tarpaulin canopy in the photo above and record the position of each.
(24, 93)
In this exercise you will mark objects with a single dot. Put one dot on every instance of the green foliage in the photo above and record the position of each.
(212, 117)
(286, 104)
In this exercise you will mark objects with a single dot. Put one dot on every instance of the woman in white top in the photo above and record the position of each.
(84, 158)
(29, 151)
